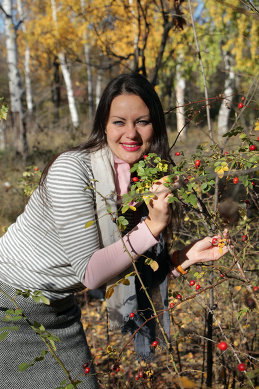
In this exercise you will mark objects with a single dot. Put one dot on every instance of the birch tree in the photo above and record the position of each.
(228, 93)
(27, 56)
(179, 94)
(66, 74)
(15, 84)
(88, 66)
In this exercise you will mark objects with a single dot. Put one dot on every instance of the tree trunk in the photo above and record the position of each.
(98, 87)
(66, 75)
(225, 107)
(136, 38)
(55, 88)
(27, 71)
(179, 95)
(88, 68)
(16, 92)
(2, 135)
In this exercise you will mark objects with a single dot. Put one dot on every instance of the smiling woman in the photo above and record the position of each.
(50, 249)
(129, 129)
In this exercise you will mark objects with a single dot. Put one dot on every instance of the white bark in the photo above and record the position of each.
(224, 110)
(15, 88)
(136, 39)
(66, 75)
(88, 68)
(179, 94)
(2, 135)
(27, 72)
(98, 87)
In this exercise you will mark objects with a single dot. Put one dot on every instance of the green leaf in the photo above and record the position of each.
(23, 366)
(89, 224)
(45, 300)
(124, 208)
(3, 335)
(37, 299)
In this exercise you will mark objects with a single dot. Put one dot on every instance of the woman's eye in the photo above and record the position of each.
(118, 122)
(143, 122)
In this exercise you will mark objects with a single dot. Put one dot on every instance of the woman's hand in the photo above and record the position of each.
(203, 250)
(159, 215)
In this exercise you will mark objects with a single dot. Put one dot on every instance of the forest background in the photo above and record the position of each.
(202, 57)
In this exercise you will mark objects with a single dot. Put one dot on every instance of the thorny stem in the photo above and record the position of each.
(203, 74)
(50, 348)
(155, 316)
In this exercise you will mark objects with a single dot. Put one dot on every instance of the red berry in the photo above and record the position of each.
(235, 180)
(87, 370)
(252, 148)
(222, 346)
(255, 288)
(241, 367)
(247, 202)
(140, 374)
(253, 183)
(177, 153)
(135, 179)
(198, 287)
(222, 275)
(171, 305)
(192, 282)
(154, 344)
(226, 152)
(136, 377)
(240, 105)
(197, 163)
(179, 297)
(117, 369)
(242, 98)
(132, 314)
(145, 156)
(244, 238)
(36, 169)
(258, 138)
(214, 242)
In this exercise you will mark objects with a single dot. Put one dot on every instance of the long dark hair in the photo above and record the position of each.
(134, 84)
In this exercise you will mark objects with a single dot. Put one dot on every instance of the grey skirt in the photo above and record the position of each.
(62, 319)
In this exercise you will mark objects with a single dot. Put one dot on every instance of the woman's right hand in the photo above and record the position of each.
(159, 215)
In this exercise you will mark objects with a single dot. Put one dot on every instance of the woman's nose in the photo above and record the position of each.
(131, 130)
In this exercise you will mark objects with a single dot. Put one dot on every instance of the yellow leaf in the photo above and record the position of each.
(154, 265)
(238, 287)
(220, 173)
(133, 208)
(220, 250)
(124, 281)
(109, 292)
(187, 383)
(89, 224)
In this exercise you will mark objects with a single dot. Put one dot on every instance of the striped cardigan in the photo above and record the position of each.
(48, 247)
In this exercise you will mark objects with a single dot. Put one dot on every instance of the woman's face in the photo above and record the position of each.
(129, 130)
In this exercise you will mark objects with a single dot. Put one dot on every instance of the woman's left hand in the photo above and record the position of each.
(206, 249)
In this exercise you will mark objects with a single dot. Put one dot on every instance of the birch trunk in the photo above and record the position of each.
(179, 93)
(27, 56)
(98, 87)
(2, 135)
(225, 107)
(15, 88)
(66, 75)
(88, 68)
(136, 38)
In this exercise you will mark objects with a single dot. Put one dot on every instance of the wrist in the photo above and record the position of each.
(153, 227)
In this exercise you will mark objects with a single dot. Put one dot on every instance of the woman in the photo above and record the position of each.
(49, 248)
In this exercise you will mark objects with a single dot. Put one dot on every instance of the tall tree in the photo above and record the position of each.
(27, 56)
(15, 83)
(66, 74)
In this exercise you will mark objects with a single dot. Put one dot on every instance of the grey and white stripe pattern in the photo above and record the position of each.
(48, 247)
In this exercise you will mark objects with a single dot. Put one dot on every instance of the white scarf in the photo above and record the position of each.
(123, 301)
